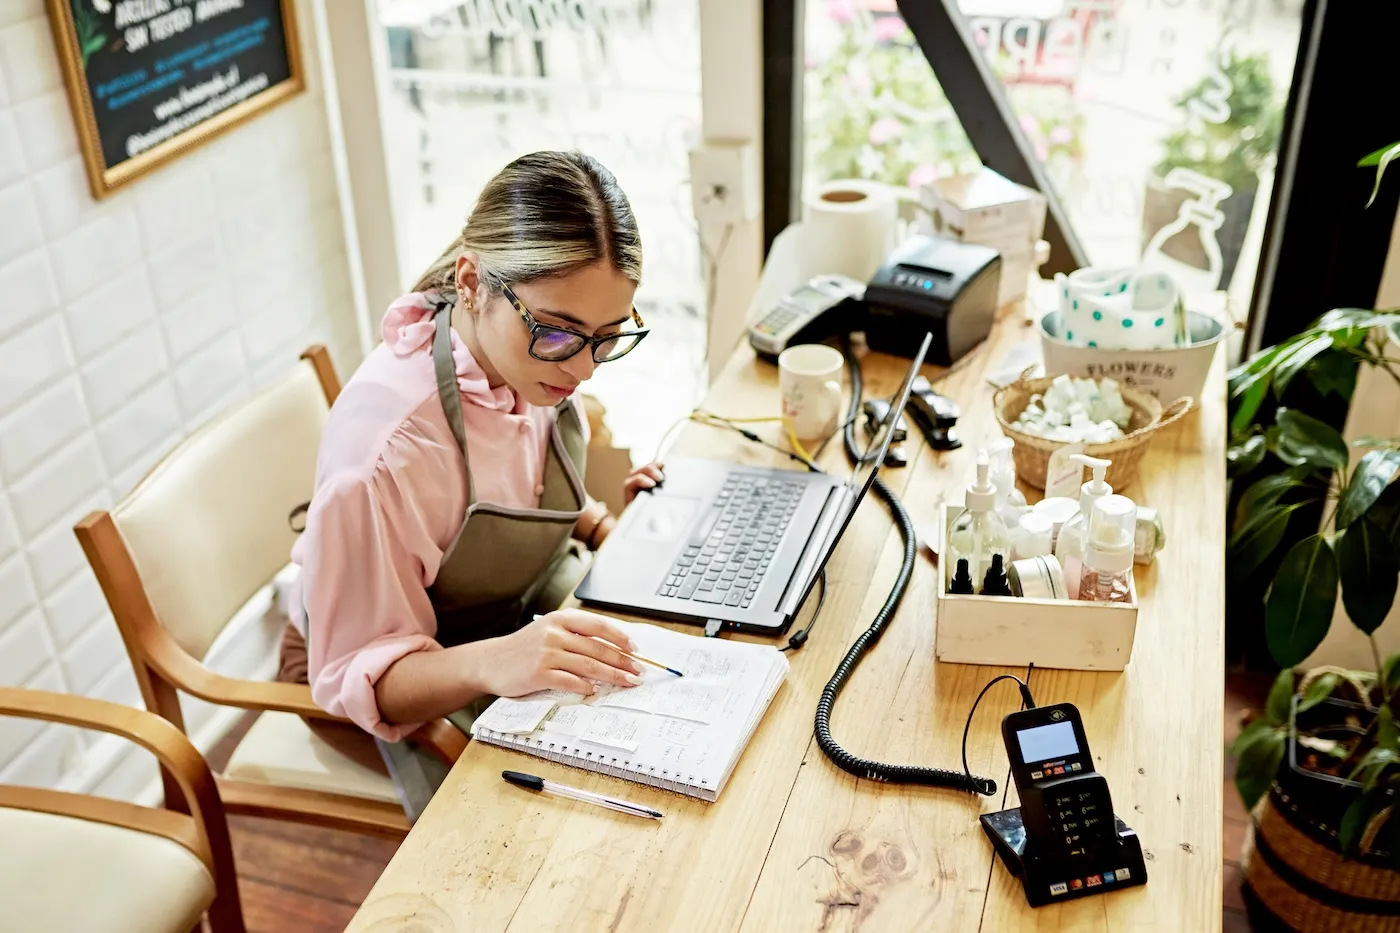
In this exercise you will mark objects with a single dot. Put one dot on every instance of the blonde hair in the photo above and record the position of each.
(545, 214)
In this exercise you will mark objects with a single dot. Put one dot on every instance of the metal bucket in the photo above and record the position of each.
(1167, 374)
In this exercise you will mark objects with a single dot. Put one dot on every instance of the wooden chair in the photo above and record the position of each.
(75, 862)
(186, 549)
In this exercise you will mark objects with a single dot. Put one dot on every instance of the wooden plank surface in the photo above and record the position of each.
(794, 842)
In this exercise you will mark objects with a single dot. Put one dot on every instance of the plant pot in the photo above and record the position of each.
(1160, 205)
(1295, 877)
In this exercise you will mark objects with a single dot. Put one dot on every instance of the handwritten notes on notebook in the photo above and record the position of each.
(684, 733)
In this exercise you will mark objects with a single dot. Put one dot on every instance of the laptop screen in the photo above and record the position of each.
(863, 475)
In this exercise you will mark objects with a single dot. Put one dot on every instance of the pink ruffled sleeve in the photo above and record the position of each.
(366, 601)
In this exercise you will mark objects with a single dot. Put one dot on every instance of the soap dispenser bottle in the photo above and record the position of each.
(1073, 537)
(1108, 556)
(978, 533)
(1011, 503)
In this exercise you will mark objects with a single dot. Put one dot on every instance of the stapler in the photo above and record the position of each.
(936, 415)
(876, 411)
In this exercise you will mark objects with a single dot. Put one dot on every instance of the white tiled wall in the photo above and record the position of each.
(124, 325)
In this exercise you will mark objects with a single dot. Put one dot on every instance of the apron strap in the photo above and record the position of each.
(448, 393)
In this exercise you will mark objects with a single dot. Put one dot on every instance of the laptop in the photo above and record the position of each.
(738, 545)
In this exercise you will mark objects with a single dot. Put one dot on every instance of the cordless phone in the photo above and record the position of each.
(1064, 840)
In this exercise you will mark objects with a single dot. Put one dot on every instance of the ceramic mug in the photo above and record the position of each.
(809, 381)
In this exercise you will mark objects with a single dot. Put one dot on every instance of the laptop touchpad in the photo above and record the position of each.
(662, 518)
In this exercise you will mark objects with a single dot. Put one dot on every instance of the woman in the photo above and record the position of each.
(449, 507)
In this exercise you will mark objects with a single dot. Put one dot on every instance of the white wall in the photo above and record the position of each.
(124, 325)
(1375, 412)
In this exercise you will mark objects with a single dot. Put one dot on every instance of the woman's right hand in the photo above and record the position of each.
(559, 651)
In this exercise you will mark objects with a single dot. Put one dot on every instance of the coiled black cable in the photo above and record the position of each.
(862, 767)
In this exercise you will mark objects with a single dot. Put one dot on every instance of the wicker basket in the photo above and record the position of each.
(1032, 452)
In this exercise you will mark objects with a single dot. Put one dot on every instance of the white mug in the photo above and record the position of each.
(809, 380)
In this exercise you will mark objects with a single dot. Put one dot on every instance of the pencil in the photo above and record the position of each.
(638, 657)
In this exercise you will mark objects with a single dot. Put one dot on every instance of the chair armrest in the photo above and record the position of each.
(147, 730)
(441, 738)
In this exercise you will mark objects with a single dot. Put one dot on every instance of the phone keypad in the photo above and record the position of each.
(776, 320)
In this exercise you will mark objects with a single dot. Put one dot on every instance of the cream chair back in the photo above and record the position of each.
(209, 525)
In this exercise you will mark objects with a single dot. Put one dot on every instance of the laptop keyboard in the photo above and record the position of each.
(725, 559)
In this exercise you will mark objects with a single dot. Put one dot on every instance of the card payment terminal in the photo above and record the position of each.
(1064, 840)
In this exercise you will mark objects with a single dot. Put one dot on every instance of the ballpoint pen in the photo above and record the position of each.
(537, 783)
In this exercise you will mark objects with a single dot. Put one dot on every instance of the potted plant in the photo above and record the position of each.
(1233, 151)
(876, 110)
(1321, 768)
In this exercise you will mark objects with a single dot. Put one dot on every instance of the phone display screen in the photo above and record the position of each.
(1047, 743)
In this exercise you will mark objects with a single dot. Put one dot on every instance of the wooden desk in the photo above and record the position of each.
(796, 844)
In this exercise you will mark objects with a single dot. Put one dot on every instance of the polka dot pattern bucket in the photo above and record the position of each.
(1120, 309)
(1167, 374)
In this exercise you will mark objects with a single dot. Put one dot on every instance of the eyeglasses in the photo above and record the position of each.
(556, 344)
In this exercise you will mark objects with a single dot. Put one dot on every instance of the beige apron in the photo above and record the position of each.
(504, 566)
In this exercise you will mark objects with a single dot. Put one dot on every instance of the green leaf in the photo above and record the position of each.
(93, 44)
(1334, 373)
(1253, 733)
(1289, 366)
(1369, 571)
(1394, 331)
(1377, 443)
(1386, 734)
(1384, 159)
(1243, 457)
(1390, 673)
(1268, 490)
(1298, 609)
(1354, 824)
(1249, 404)
(1258, 764)
(1348, 318)
(1375, 762)
(1375, 157)
(1304, 439)
(1385, 512)
(1256, 540)
(1369, 479)
(1318, 691)
(1281, 697)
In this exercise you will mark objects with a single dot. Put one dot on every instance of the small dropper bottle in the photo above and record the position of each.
(978, 532)
(1108, 560)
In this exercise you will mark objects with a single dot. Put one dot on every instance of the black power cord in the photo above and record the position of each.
(799, 638)
(861, 767)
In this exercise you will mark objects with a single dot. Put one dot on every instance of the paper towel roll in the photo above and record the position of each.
(849, 227)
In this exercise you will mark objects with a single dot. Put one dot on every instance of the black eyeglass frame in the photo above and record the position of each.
(537, 330)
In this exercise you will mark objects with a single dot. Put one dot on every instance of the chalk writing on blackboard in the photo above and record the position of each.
(150, 78)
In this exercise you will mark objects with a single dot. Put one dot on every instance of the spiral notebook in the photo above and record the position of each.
(683, 734)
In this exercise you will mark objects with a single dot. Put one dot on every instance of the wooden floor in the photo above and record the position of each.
(297, 878)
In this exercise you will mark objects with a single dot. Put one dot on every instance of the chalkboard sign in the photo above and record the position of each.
(149, 79)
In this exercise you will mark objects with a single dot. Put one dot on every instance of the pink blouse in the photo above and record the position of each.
(389, 499)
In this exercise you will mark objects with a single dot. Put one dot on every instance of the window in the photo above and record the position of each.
(1157, 121)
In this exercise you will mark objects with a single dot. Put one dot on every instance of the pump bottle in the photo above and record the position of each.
(1011, 503)
(1108, 556)
(978, 533)
(1073, 537)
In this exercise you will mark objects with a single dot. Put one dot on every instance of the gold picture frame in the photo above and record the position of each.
(103, 179)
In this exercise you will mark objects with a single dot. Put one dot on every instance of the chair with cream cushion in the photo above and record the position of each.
(186, 549)
(74, 862)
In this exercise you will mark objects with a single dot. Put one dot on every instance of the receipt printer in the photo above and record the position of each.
(938, 285)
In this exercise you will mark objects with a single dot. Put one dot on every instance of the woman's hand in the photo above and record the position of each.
(559, 651)
(648, 476)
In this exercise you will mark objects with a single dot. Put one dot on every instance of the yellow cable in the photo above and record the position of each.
(705, 417)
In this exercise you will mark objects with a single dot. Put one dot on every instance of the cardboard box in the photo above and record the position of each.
(985, 207)
(608, 466)
(1009, 631)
